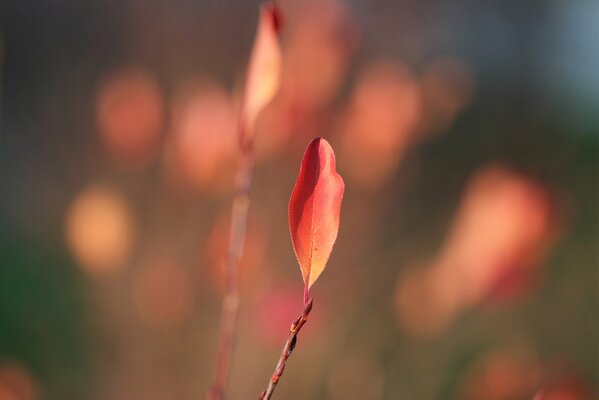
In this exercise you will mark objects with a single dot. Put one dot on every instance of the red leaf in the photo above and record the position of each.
(264, 70)
(314, 210)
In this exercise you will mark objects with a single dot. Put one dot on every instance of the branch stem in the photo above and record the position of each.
(230, 306)
(306, 293)
(296, 326)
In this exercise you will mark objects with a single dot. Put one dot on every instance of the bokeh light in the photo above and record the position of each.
(130, 115)
(17, 383)
(204, 136)
(316, 54)
(100, 230)
(381, 121)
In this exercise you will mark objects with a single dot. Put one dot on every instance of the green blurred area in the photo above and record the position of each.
(43, 322)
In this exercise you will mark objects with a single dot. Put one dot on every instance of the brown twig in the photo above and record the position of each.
(287, 350)
(230, 307)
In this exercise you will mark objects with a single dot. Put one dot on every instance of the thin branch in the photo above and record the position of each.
(262, 82)
(230, 307)
(287, 350)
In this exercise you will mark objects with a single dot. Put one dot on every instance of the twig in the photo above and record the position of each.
(287, 350)
(263, 71)
(230, 307)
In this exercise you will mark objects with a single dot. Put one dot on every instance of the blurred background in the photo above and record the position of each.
(466, 264)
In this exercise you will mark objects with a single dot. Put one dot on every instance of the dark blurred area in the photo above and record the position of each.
(466, 264)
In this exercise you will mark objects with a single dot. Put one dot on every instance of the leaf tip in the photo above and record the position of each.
(271, 9)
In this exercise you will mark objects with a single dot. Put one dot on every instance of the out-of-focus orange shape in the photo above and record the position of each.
(565, 388)
(163, 293)
(314, 209)
(494, 251)
(448, 85)
(203, 134)
(16, 383)
(502, 374)
(500, 235)
(253, 253)
(316, 56)
(130, 115)
(264, 70)
(381, 122)
(100, 230)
